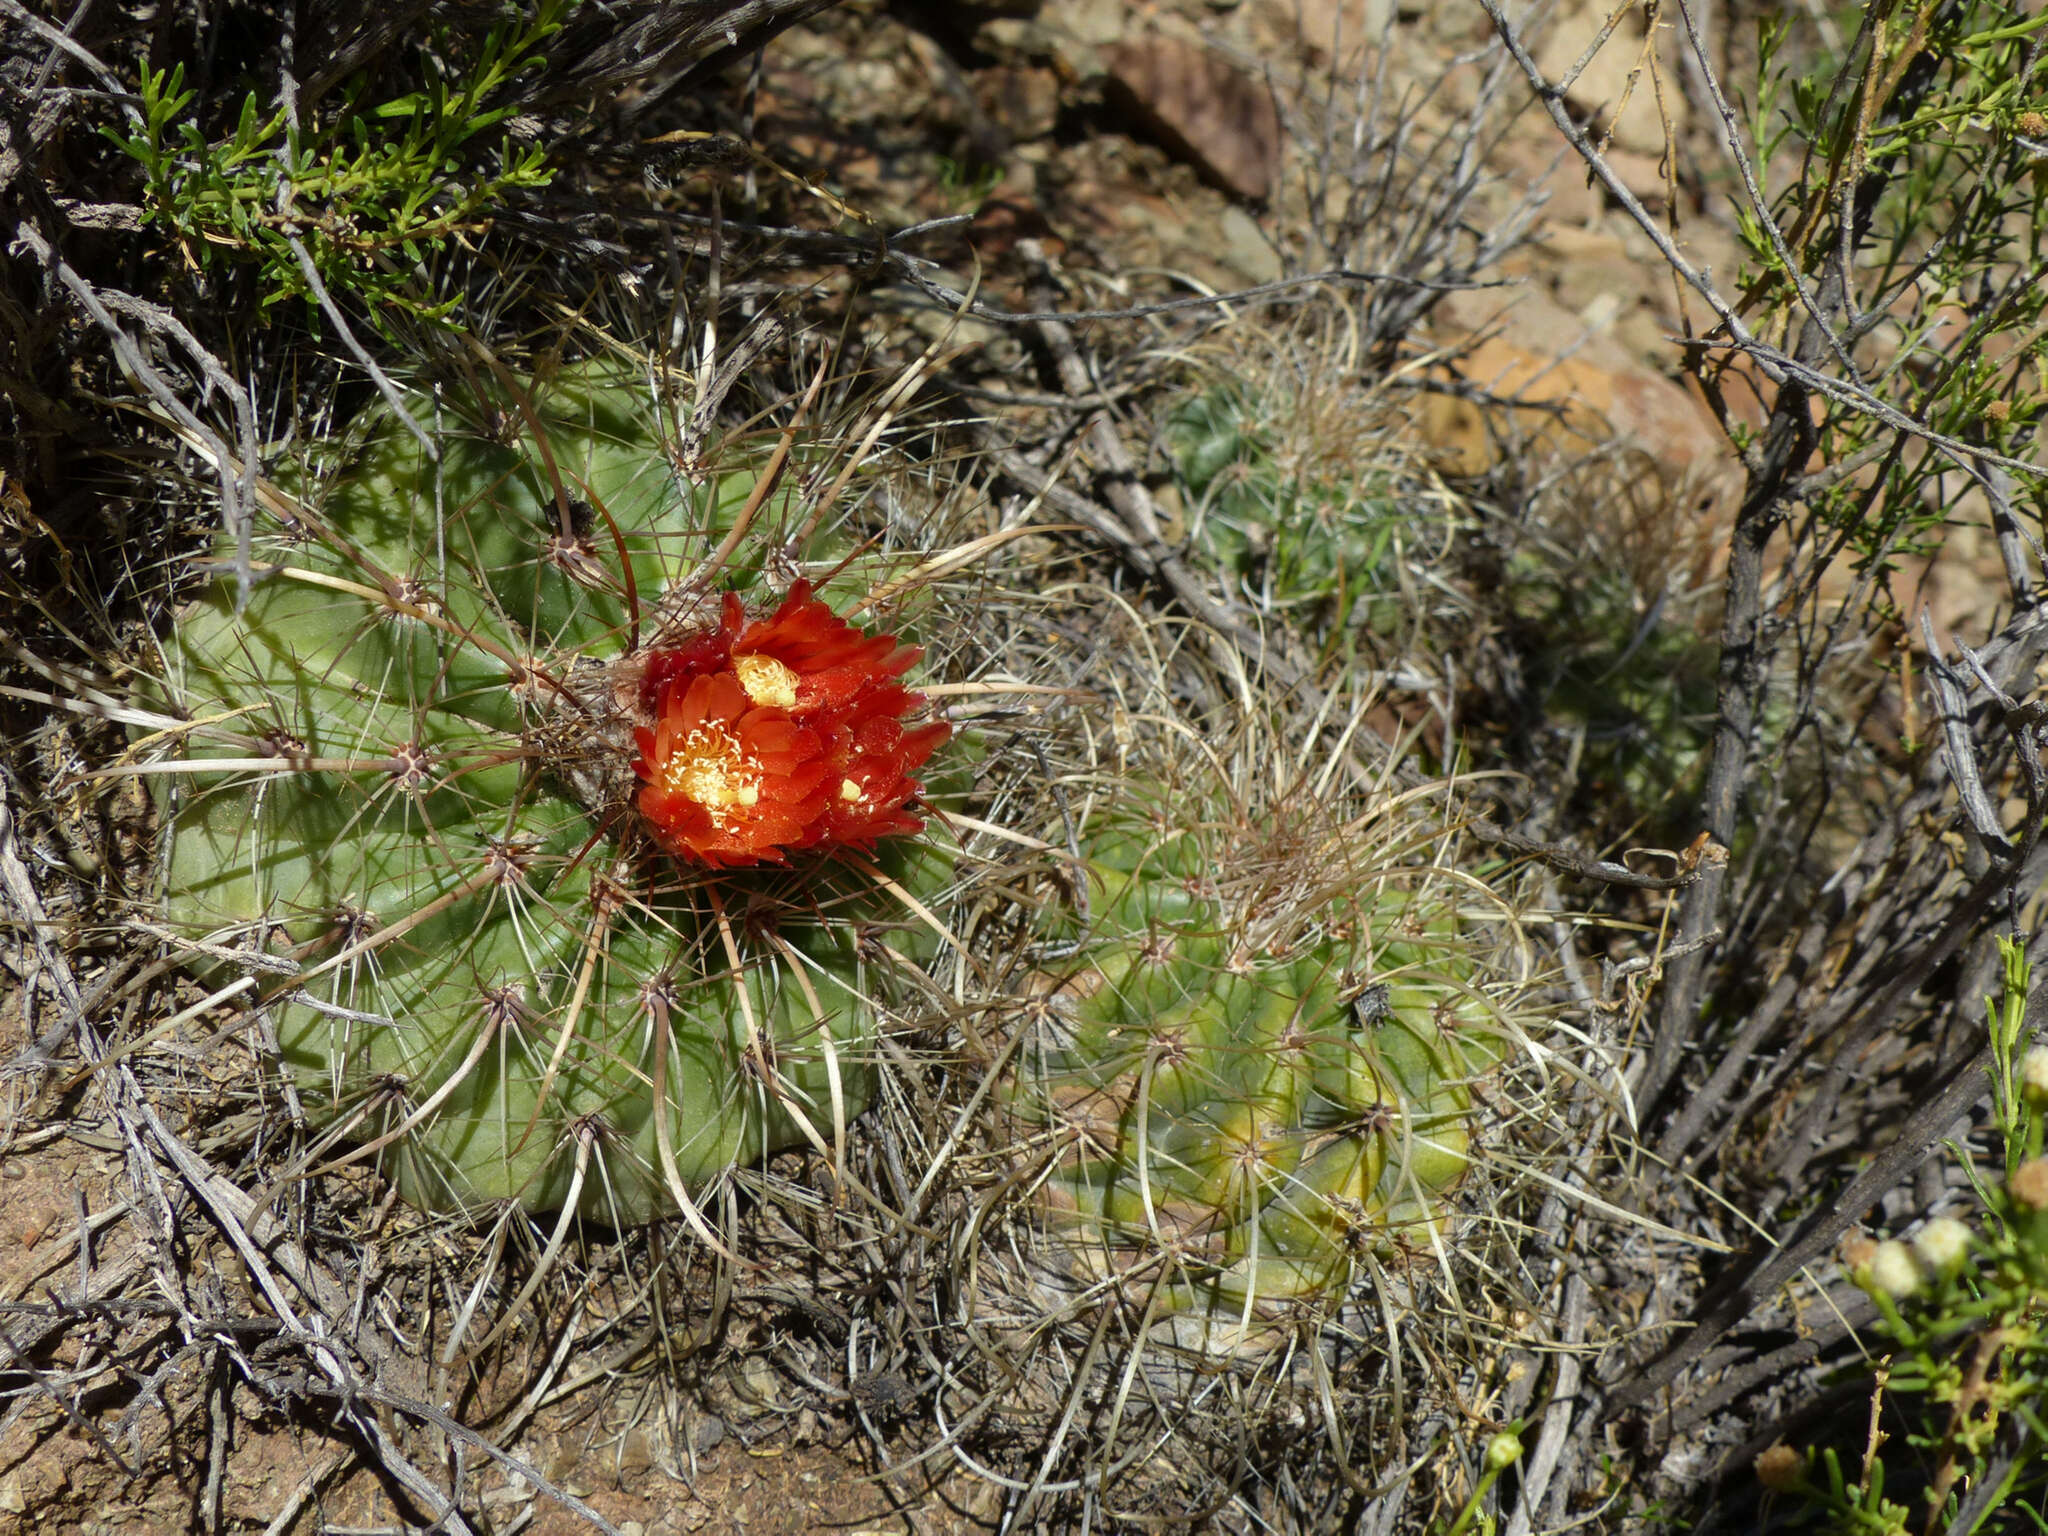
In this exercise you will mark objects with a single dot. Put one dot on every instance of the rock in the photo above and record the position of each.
(1203, 110)
(1022, 101)
(705, 1432)
(1334, 34)
(1244, 248)
(1577, 390)
(1002, 222)
(1642, 172)
(1599, 276)
(1092, 23)
(1015, 37)
(1544, 164)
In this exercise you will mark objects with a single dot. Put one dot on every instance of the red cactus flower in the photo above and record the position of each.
(873, 758)
(728, 782)
(805, 657)
(802, 657)
(780, 734)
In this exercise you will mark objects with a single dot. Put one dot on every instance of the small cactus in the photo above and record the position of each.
(1307, 517)
(455, 778)
(1257, 1068)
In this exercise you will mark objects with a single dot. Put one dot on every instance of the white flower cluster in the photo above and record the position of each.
(1942, 1245)
(1938, 1249)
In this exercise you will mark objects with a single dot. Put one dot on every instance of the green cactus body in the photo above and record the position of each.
(1322, 543)
(1246, 1091)
(423, 719)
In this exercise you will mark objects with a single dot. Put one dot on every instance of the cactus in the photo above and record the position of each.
(518, 782)
(1276, 508)
(1258, 1067)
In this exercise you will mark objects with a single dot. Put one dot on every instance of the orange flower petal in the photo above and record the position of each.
(726, 782)
(779, 734)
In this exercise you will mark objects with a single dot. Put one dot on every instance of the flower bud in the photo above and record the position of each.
(2029, 1186)
(1780, 1468)
(1857, 1252)
(2034, 1076)
(1942, 1245)
(1893, 1271)
(1503, 1451)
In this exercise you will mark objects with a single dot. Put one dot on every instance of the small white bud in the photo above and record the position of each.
(1943, 1244)
(1856, 1251)
(2034, 1075)
(1893, 1271)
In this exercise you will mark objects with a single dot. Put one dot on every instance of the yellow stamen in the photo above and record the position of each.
(708, 767)
(766, 680)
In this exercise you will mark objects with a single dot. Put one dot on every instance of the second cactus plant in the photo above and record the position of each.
(1258, 1070)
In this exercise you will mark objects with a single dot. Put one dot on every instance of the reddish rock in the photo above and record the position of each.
(1203, 109)
(1535, 353)
(1629, 87)
(1023, 102)
(1657, 481)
